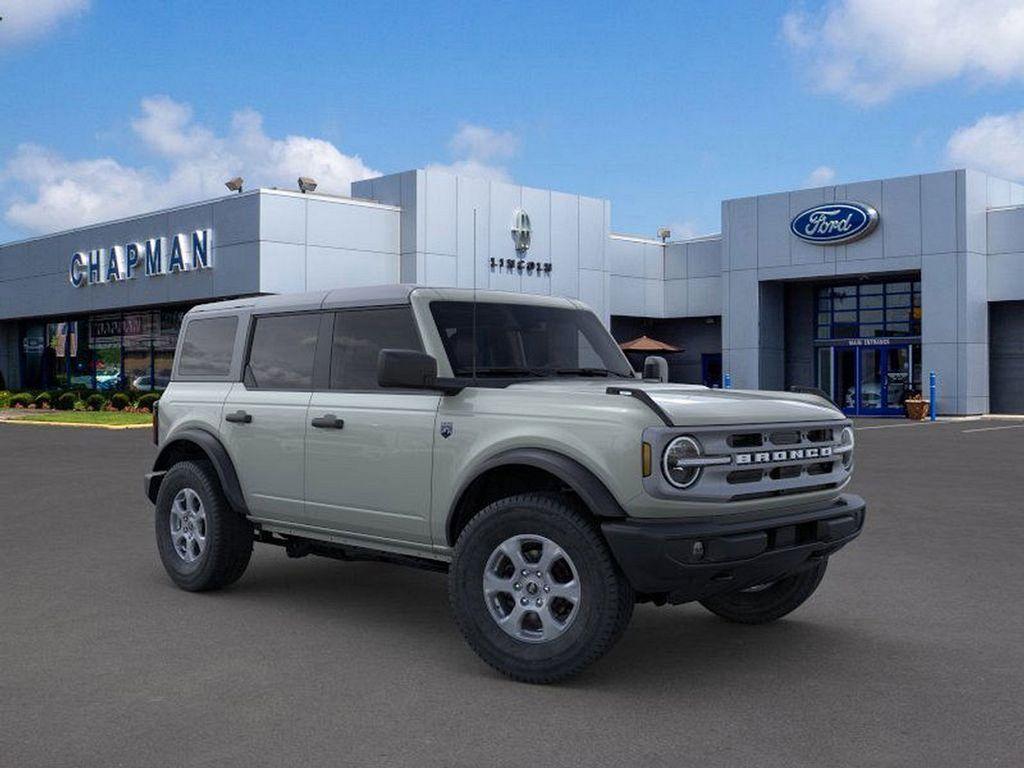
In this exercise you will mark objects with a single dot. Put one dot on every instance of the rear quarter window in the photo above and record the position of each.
(206, 347)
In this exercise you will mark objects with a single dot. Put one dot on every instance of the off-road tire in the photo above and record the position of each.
(604, 610)
(229, 537)
(771, 603)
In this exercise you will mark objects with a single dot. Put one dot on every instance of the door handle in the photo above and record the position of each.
(328, 421)
(238, 417)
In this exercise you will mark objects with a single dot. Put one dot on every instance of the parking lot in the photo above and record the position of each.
(909, 654)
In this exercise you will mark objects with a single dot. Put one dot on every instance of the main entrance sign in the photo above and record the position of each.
(156, 256)
(834, 223)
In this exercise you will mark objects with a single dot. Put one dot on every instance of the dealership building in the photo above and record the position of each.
(858, 289)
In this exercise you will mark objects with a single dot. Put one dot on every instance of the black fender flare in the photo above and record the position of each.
(215, 452)
(591, 490)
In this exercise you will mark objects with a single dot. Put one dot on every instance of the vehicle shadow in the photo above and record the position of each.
(664, 646)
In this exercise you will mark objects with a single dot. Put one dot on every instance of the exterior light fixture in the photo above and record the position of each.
(235, 184)
(664, 233)
(306, 184)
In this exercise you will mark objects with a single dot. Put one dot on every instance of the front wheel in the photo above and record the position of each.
(535, 590)
(767, 602)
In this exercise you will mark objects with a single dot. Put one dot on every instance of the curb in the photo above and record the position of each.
(75, 424)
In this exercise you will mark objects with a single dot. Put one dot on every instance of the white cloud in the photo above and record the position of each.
(820, 176)
(25, 20)
(868, 50)
(481, 143)
(478, 151)
(994, 143)
(49, 192)
(685, 230)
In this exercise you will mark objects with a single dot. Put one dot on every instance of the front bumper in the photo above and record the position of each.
(691, 561)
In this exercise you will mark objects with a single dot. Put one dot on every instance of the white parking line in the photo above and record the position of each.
(992, 429)
(891, 426)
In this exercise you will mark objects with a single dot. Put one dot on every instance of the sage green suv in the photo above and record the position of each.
(503, 438)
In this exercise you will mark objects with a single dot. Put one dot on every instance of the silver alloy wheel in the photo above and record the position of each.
(188, 525)
(531, 588)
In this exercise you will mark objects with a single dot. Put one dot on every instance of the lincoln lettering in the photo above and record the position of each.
(182, 252)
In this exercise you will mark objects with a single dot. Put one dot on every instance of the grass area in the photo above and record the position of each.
(104, 418)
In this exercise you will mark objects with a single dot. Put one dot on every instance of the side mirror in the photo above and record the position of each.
(406, 368)
(656, 368)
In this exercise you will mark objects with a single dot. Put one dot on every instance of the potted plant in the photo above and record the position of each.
(916, 406)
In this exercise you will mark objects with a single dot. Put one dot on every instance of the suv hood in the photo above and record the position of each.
(695, 405)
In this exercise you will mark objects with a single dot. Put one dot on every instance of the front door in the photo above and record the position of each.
(872, 380)
(369, 451)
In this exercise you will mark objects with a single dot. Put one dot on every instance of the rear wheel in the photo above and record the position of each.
(203, 543)
(535, 590)
(772, 600)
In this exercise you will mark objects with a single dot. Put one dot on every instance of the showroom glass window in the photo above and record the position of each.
(111, 350)
(869, 310)
(360, 335)
(282, 352)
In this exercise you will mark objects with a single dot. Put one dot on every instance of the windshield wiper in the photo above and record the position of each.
(588, 372)
(504, 371)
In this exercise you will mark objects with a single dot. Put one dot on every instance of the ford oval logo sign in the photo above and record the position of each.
(834, 223)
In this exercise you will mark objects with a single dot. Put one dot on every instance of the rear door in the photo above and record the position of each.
(369, 450)
(264, 417)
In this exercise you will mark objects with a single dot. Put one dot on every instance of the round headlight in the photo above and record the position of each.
(846, 441)
(674, 462)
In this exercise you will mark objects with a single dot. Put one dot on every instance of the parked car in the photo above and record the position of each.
(502, 438)
(148, 382)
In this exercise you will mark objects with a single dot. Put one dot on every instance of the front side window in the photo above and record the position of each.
(283, 350)
(205, 349)
(523, 340)
(360, 335)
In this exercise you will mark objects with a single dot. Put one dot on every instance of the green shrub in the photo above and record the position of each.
(24, 399)
(147, 400)
(66, 402)
(5, 398)
(43, 400)
(95, 402)
(120, 400)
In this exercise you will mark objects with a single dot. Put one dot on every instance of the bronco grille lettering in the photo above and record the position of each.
(773, 457)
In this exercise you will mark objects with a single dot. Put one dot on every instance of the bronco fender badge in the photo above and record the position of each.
(447, 429)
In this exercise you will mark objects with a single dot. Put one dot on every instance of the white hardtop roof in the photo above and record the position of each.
(376, 295)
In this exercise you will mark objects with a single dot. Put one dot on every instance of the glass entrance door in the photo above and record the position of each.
(872, 380)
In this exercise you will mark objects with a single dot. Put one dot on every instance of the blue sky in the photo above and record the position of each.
(109, 108)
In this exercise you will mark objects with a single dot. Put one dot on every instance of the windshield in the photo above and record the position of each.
(523, 340)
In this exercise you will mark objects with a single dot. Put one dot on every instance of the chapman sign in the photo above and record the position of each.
(834, 223)
(156, 256)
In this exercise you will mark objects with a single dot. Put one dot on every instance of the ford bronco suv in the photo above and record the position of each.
(503, 438)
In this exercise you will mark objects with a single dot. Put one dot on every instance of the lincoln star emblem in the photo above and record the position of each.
(521, 230)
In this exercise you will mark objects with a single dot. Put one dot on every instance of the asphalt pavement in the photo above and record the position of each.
(910, 653)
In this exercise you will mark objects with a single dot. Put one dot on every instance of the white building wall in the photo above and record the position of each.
(438, 237)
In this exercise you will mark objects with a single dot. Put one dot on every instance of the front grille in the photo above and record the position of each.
(758, 462)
